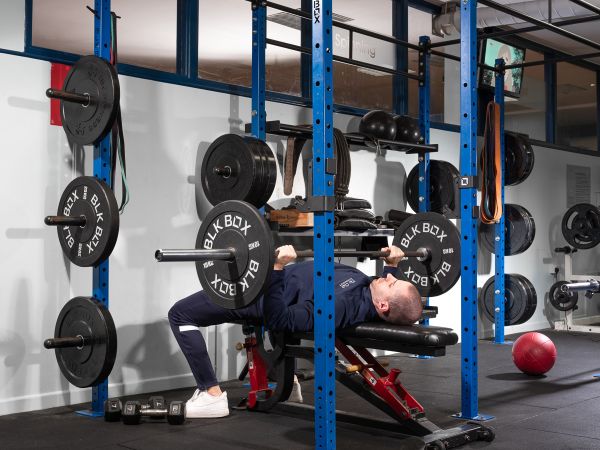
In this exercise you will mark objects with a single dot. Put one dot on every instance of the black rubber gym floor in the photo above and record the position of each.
(557, 411)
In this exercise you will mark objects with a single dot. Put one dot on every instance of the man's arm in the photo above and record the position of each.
(278, 314)
(392, 261)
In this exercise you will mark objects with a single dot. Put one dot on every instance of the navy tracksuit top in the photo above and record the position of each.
(288, 303)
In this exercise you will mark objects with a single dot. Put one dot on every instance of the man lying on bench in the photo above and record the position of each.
(288, 306)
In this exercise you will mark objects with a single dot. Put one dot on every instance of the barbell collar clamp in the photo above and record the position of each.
(75, 221)
(72, 97)
(66, 342)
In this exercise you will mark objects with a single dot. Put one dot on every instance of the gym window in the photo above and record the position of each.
(527, 114)
(444, 72)
(225, 45)
(358, 86)
(147, 38)
(146, 31)
(576, 115)
(50, 20)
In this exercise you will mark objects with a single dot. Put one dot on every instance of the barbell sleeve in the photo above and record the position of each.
(194, 255)
(229, 254)
(72, 97)
(591, 285)
(75, 221)
(224, 172)
(65, 342)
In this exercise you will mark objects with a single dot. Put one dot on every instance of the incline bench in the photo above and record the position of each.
(360, 372)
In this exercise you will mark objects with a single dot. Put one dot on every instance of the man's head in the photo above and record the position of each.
(396, 301)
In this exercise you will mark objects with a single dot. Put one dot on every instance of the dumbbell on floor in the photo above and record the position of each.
(133, 412)
(113, 408)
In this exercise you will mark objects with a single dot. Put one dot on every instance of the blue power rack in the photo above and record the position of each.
(424, 113)
(324, 326)
(102, 48)
(499, 286)
(468, 201)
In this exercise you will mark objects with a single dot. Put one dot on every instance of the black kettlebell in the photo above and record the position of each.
(378, 124)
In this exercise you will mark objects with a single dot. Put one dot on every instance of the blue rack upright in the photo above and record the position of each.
(102, 49)
(324, 326)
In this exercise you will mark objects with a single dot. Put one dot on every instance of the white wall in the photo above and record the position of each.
(167, 130)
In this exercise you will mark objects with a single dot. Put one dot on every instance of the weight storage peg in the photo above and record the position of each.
(85, 342)
(238, 168)
(562, 300)
(235, 254)
(520, 299)
(581, 226)
(87, 221)
(519, 231)
(89, 100)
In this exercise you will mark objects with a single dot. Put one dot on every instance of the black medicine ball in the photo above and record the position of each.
(378, 124)
(407, 130)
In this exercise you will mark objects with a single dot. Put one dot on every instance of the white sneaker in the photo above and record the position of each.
(296, 394)
(202, 405)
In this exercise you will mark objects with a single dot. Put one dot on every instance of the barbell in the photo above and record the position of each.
(235, 254)
(229, 254)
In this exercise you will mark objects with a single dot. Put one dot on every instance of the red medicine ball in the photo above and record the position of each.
(534, 353)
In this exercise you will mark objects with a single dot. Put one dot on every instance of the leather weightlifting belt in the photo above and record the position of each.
(341, 152)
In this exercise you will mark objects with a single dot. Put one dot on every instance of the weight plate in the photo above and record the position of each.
(92, 243)
(238, 168)
(265, 183)
(88, 124)
(238, 225)
(581, 226)
(438, 273)
(531, 294)
(91, 364)
(443, 177)
(563, 301)
(520, 299)
(519, 231)
(519, 159)
(258, 184)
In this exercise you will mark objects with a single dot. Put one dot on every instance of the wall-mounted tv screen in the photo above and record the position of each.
(513, 78)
